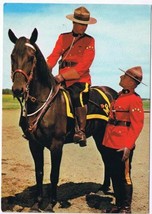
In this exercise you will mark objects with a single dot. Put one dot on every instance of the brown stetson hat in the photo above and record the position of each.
(135, 73)
(81, 15)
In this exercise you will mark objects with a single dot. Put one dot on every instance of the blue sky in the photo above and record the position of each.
(122, 36)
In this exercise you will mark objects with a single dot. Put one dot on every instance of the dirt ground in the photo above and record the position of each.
(80, 176)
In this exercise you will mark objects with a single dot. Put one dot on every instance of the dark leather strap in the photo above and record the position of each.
(34, 123)
(67, 64)
(119, 122)
(60, 61)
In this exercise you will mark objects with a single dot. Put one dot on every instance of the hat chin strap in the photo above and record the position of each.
(77, 34)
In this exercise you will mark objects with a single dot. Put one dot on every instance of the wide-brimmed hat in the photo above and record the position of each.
(135, 73)
(81, 15)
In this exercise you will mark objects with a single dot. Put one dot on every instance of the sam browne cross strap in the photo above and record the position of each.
(62, 62)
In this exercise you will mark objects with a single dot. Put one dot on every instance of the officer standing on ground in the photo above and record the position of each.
(124, 126)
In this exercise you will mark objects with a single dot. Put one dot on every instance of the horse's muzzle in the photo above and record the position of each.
(18, 92)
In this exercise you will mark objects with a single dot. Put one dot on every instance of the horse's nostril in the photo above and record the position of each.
(17, 92)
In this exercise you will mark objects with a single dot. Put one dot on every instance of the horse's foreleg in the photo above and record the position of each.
(56, 156)
(38, 157)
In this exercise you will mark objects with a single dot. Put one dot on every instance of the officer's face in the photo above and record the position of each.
(127, 82)
(79, 28)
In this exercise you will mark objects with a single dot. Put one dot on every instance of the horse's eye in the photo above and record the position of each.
(30, 58)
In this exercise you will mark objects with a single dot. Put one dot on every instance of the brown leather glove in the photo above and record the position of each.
(126, 153)
(59, 78)
(71, 74)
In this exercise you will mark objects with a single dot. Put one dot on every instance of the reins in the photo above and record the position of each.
(43, 109)
(50, 94)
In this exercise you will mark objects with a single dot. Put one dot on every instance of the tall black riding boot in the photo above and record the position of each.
(126, 208)
(79, 136)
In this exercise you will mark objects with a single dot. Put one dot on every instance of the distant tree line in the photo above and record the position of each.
(6, 91)
(9, 91)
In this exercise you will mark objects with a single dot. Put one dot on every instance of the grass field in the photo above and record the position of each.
(146, 104)
(8, 102)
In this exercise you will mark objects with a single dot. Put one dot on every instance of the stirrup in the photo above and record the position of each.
(79, 137)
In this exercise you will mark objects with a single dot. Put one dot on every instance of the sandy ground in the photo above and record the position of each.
(80, 176)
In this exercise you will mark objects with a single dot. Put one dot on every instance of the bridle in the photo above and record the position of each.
(28, 78)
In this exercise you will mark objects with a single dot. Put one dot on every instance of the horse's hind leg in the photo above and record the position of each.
(98, 137)
(106, 182)
(38, 157)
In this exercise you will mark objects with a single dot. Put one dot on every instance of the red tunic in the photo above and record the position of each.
(82, 52)
(128, 108)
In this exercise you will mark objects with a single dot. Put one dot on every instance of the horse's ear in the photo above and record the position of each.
(12, 36)
(34, 36)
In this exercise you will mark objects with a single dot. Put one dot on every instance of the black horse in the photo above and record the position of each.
(47, 119)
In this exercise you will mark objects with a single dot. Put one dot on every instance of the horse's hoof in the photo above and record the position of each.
(82, 143)
(49, 208)
(35, 208)
(35, 211)
(64, 204)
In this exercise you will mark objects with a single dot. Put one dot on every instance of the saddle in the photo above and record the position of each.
(98, 106)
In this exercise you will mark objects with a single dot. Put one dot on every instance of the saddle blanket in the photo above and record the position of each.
(98, 106)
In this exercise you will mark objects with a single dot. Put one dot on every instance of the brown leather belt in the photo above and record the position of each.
(119, 122)
(63, 64)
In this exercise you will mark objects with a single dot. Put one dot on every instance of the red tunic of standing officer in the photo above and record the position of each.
(124, 126)
(128, 108)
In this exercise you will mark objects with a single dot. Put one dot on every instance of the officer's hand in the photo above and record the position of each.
(59, 78)
(126, 153)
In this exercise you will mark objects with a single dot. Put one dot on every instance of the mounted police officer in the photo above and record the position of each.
(124, 126)
(77, 51)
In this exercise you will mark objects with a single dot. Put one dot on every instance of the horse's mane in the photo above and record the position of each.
(44, 75)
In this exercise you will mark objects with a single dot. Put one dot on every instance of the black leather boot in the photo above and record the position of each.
(79, 136)
(113, 209)
(125, 210)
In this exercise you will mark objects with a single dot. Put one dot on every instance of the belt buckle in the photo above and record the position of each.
(64, 64)
(69, 64)
(115, 122)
